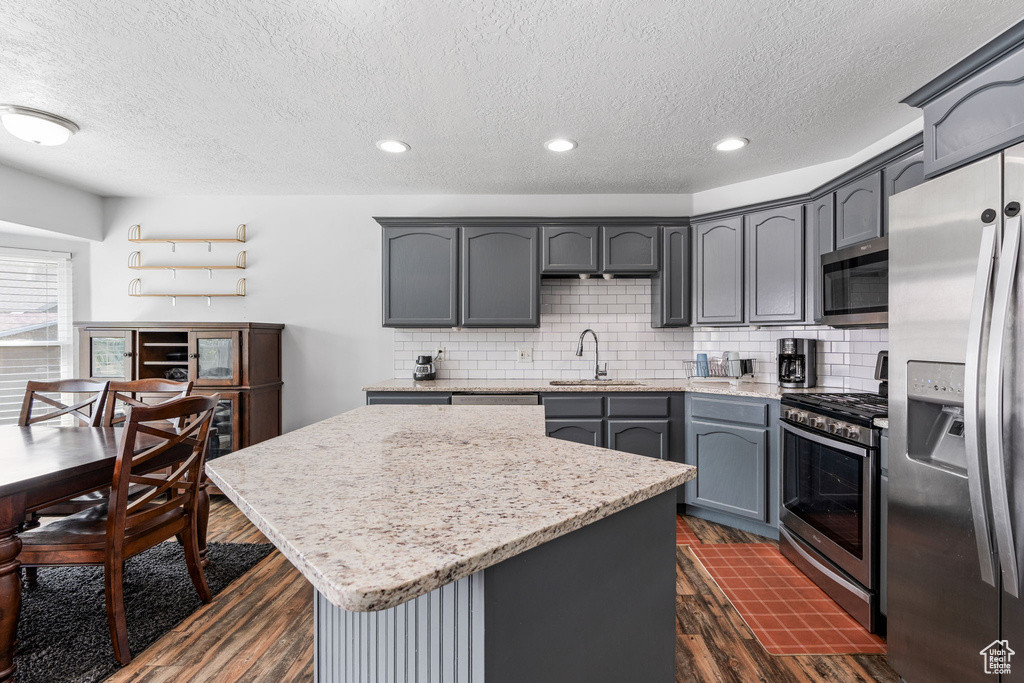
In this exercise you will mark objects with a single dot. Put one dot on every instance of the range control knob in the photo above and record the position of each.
(801, 416)
(817, 422)
(851, 432)
(835, 427)
(791, 413)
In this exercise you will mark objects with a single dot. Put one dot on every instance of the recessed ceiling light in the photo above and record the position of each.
(560, 145)
(36, 126)
(731, 144)
(393, 146)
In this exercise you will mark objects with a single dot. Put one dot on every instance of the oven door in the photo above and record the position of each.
(855, 285)
(828, 489)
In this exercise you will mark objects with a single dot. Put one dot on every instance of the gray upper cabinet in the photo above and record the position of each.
(821, 218)
(500, 277)
(775, 265)
(421, 275)
(629, 249)
(976, 117)
(899, 176)
(859, 210)
(570, 249)
(718, 262)
(732, 463)
(641, 437)
(670, 287)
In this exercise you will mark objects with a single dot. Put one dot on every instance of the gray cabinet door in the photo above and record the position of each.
(421, 273)
(589, 432)
(629, 249)
(670, 287)
(500, 277)
(979, 116)
(718, 261)
(642, 437)
(775, 265)
(572, 249)
(732, 465)
(899, 176)
(859, 210)
(822, 219)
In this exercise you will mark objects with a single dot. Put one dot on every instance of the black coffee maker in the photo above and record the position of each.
(798, 363)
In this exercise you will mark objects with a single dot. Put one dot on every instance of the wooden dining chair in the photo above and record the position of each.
(35, 393)
(132, 394)
(110, 533)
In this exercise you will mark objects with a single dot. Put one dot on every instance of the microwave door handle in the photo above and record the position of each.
(1001, 517)
(972, 404)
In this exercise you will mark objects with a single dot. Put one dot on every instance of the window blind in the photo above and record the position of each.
(35, 323)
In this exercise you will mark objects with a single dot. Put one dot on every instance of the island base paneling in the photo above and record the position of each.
(595, 605)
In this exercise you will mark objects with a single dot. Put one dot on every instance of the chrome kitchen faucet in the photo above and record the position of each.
(598, 372)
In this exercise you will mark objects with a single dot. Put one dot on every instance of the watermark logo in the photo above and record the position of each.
(997, 657)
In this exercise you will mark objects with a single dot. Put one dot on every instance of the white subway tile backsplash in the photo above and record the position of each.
(620, 312)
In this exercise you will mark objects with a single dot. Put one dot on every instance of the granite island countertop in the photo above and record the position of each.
(383, 504)
(529, 386)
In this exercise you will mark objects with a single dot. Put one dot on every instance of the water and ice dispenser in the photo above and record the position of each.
(935, 415)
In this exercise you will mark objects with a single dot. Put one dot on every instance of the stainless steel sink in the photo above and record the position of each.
(595, 383)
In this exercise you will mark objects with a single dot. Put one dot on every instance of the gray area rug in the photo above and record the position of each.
(63, 635)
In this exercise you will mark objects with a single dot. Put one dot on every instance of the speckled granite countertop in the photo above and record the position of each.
(383, 504)
(882, 422)
(524, 386)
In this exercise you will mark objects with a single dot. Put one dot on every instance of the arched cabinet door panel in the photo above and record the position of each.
(641, 437)
(421, 277)
(718, 256)
(588, 432)
(775, 265)
(500, 277)
(859, 210)
(630, 249)
(569, 249)
(731, 464)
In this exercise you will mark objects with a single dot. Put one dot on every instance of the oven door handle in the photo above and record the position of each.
(1002, 518)
(974, 407)
(861, 451)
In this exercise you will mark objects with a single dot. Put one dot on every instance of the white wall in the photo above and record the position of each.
(314, 264)
(43, 204)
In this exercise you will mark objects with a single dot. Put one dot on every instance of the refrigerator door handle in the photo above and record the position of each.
(972, 404)
(1001, 517)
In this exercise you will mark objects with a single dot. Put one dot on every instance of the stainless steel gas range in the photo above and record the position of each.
(830, 492)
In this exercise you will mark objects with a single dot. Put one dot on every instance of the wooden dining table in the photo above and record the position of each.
(43, 465)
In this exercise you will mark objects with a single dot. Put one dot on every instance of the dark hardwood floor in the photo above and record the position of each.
(260, 629)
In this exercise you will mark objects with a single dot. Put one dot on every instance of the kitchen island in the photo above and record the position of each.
(458, 543)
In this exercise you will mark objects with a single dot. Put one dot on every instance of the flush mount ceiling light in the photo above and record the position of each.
(393, 146)
(731, 144)
(33, 125)
(560, 145)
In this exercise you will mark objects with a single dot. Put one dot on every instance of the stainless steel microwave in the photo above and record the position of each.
(855, 285)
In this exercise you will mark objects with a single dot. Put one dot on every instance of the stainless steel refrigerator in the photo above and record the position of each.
(956, 438)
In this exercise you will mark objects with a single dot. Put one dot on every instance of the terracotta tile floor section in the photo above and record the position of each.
(684, 534)
(788, 614)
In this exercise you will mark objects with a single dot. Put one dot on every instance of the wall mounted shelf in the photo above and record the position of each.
(135, 235)
(135, 263)
(135, 289)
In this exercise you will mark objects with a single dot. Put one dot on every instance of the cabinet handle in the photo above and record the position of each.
(193, 355)
(127, 354)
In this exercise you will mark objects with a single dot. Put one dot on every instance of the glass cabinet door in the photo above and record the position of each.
(227, 422)
(108, 354)
(214, 358)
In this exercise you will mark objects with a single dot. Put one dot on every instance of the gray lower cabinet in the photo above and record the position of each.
(407, 398)
(775, 265)
(421, 276)
(589, 432)
(570, 249)
(500, 282)
(899, 176)
(641, 437)
(630, 249)
(822, 219)
(718, 262)
(859, 210)
(670, 286)
(732, 463)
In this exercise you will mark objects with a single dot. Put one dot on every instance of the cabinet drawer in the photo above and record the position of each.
(722, 410)
(390, 398)
(573, 406)
(638, 406)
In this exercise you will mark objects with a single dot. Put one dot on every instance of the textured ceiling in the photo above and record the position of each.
(276, 97)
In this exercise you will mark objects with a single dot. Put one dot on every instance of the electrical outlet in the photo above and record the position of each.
(436, 353)
(439, 353)
(524, 354)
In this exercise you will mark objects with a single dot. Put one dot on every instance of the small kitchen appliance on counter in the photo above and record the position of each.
(424, 369)
(798, 363)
